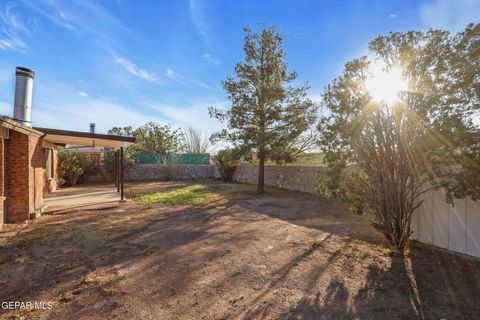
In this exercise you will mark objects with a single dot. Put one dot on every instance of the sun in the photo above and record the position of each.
(385, 85)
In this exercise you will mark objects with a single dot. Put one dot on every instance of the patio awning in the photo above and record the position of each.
(66, 137)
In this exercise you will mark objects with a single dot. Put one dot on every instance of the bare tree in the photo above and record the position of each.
(195, 141)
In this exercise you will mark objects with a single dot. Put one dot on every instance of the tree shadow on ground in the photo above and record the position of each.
(429, 285)
(312, 211)
(385, 294)
(213, 261)
(448, 284)
(66, 250)
(372, 301)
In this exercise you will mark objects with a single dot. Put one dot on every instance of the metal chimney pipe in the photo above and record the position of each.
(92, 127)
(22, 110)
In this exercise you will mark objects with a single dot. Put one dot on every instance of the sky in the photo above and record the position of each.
(119, 63)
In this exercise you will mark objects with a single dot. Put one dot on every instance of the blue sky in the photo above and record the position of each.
(123, 62)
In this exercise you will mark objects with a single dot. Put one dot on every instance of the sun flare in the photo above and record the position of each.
(385, 85)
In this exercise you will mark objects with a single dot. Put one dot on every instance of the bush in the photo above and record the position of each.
(226, 161)
(89, 162)
(109, 160)
(69, 167)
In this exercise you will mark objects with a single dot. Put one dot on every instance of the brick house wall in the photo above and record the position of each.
(24, 176)
(17, 177)
(36, 173)
(23, 160)
(2, 181)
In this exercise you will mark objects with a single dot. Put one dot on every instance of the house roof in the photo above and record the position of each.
(9, 123)
(65, 137)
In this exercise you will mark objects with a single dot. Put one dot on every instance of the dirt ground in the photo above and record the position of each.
(285, 255)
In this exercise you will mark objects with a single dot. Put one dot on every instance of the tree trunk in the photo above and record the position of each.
(261, 171)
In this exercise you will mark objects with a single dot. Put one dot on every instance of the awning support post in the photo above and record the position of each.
(115, 169)
(117, 164)
(122, 169)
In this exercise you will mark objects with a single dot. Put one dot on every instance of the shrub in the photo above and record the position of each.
(69, 167)
(109, 160)
(386, 149)
(226, 161)
(90, 165)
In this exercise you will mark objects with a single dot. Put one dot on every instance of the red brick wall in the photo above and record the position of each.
(37, 173)
(2, 180)
(17, 177)
(24, 176)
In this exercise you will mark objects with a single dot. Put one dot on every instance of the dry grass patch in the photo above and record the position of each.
(197, 193)
(183, 195)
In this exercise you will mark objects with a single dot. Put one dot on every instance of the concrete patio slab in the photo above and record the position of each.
(81, 197)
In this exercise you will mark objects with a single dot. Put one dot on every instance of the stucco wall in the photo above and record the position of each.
(170, 172)
(305, 179)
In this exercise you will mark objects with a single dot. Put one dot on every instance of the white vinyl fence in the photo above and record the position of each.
(454, 228)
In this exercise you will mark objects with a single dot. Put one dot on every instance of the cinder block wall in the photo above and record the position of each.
(305, 179)
(170, 171)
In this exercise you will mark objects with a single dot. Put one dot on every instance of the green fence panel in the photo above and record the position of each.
(183, 158)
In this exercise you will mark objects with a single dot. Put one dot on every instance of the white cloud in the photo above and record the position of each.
(169, 73)
(71, 114)
(184, 80)
(11, 19)
(53, 11)
(136, 71)
(12, 41)
(77, 16)
(452, 15)
(12, 29)
(63, 107)
(82, 94)
(198, 15)
(208, 57)
(393, 15)
(195, 116)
